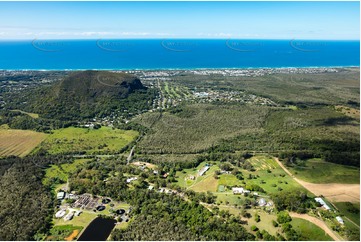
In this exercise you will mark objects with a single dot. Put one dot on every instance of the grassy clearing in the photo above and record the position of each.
(319, 171)
(33, 115)
(54, 174)
(59, 173)
(227, 198)
(19, 142)
(270, 176)
(201, 183)
(90, 141)
(70, 167)
(263, 163)
(265, 223)
(208, 183)
(350, 210)
(309, 230)
(229, 180)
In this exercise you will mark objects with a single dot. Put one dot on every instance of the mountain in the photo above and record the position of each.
(86, 94)
(92, 85)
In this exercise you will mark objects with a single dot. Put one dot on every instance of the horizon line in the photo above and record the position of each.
(185, 38)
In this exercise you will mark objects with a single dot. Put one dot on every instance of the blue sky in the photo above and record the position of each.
(248, 20)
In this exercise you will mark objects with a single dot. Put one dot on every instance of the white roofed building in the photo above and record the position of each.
(237, 190)
(340, 220)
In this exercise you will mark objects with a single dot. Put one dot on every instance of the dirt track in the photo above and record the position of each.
(334, 192)
(317, 222)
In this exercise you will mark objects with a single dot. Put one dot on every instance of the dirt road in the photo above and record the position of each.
(335, 192)
(317, 222)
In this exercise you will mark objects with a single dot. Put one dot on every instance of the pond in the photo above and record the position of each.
(98, 230)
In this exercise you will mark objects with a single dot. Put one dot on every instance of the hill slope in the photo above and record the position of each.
(86, 94)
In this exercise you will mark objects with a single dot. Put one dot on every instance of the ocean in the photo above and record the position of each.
(129, 54)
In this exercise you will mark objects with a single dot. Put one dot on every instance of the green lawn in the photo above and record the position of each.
(229, 180)
(73, 139)
(319, 171)
(309, 230)
(350, 210)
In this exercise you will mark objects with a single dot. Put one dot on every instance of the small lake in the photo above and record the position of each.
(98, 230)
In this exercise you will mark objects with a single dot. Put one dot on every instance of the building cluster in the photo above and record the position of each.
(232, 96)
(245, 72)
(326, 207)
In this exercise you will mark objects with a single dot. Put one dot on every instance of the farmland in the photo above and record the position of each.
(319, 171)
(19, 142)
(89, 141)
(272, 178)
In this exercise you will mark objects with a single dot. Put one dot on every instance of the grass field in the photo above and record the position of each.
(270, 176)
(349, 210)
(319, 171)
(100, 140)
(208, 183)
(309, 230)
(265, 223)
(229, 180)
(19, 142)
(201, 183)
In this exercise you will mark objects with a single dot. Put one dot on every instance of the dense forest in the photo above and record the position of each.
(24, 203)
(305, 132)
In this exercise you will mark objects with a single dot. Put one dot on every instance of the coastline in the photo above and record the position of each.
(192, 69)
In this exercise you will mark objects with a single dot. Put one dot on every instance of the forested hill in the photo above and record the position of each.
(83, 95)
(92, 85)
